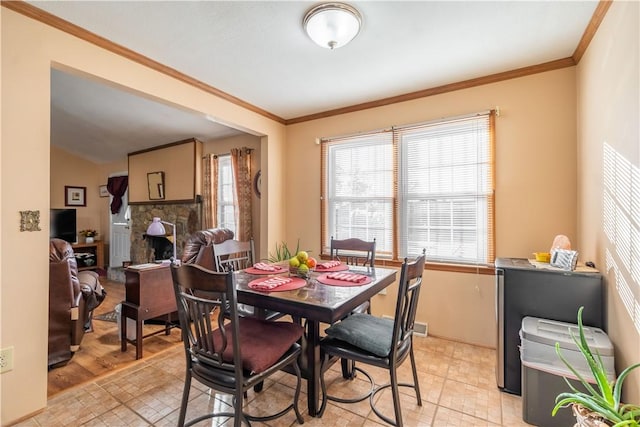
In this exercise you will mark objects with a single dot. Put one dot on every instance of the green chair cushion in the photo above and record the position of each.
(365, 331)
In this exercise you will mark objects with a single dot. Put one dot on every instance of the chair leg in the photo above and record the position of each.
(239, 415)
(185, 399)
(323, 387)
(296, 396)
(348, 369)
(415, 376)
(396, 397)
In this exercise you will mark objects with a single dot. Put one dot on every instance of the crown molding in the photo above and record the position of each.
(46, 18)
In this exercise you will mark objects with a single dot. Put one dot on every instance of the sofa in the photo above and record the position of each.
(73, 295)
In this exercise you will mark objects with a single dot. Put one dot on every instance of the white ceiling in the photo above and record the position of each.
(259, 53)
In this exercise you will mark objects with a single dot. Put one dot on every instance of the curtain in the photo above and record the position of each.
(241, 164)
(117, 186)
(209, 191)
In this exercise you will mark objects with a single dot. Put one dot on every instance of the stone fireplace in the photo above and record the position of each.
(186, 217)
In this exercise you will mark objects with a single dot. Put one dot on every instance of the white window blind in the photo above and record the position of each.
(226, 217)
(422, 186)
(360, 196)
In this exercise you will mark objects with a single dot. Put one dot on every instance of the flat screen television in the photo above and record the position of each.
(63, 224)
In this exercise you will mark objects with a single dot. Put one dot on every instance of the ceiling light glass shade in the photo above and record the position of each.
(332, 25)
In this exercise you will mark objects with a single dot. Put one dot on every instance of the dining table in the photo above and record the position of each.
(315, 303)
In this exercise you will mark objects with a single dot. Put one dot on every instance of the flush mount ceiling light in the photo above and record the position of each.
(332, 25)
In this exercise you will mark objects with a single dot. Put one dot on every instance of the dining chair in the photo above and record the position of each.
(236, 255)
(354, 251)
(233, 255)
(380, 342)
(230, 354)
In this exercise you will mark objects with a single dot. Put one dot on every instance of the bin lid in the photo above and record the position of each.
(550, 332)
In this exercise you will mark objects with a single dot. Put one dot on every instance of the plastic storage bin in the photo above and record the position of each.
(543, 371)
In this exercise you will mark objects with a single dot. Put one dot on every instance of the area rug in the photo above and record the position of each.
(111, 316)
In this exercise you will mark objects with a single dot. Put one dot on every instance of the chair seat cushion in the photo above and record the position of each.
(262, 343)
(365, 331)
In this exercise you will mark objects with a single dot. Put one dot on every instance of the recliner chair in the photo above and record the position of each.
(73, 295)
(198, 248)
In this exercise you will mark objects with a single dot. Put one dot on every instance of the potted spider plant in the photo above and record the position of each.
(600, 405)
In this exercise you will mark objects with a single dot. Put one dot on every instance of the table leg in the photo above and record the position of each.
(138, 339)
(313, 366)
(123, 331)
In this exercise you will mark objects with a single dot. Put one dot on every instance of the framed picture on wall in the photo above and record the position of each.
(75, 196)
(103, 191)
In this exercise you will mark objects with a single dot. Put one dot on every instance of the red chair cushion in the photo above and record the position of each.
(262, 343)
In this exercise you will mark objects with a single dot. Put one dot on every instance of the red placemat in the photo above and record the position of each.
(253, 270)
(341, 267)
(295, 283)
(333, 282)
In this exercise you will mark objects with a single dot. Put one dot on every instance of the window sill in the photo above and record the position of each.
(437, 266)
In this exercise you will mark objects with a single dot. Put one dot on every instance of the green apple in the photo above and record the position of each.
(294, 262)
(303, 270)
(302, 257)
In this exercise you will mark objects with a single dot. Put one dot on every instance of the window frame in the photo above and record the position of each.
(399, 205)
(226, 158)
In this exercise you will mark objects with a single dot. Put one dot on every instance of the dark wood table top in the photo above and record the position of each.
(316, 301)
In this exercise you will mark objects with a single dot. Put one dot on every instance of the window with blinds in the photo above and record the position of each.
(421, 186)
(226, 213)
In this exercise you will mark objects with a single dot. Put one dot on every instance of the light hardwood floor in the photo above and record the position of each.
(99, 351)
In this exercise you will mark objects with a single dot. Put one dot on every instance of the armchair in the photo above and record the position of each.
(73, 296)
(198, 248)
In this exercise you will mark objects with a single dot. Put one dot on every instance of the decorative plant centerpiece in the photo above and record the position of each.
(300, 263)
(89, 235)
(282, 252)
(600, 406)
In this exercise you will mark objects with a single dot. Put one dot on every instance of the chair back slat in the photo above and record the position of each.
(233, 255)
(354, 251)
(202, 296)
(407, 302)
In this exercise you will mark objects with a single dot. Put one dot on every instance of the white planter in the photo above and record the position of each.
(88, 239)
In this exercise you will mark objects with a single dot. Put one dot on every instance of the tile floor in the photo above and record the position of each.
(457, 382)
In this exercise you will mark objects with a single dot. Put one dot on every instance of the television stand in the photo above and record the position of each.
(96, 252)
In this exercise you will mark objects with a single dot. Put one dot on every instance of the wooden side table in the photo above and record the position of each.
(96, 248)
(148, 294)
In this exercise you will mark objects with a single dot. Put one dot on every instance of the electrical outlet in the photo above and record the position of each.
(6, 359)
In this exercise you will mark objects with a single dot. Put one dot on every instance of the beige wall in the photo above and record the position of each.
(608, 129)
(29, 50)
(535, 186)
(179, 163)
(68, 169)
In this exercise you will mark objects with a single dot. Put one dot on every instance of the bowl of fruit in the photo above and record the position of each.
(301, 264)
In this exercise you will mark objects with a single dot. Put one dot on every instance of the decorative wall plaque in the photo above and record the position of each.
(29, 220)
